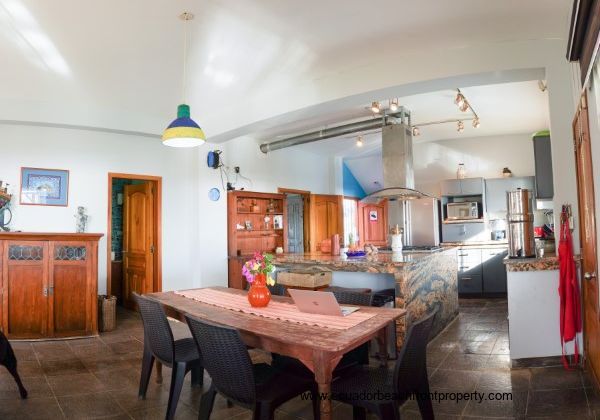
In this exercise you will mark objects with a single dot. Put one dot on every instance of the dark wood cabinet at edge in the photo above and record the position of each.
(48, 285)
(252, 207)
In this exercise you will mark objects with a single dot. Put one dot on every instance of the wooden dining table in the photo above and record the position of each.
(319, 348)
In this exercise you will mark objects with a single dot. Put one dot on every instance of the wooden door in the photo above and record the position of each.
(373, 223)
(25, 286)
(328, 216)
(138, 241)
(72, 288)
(587, 232)
(295, 217)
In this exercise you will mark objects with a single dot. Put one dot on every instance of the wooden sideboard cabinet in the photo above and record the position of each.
(48, 284)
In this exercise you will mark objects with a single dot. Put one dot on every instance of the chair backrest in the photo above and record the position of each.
(157, 331)
(411, 366)
(226, 359)
(276, 290)
(353, 298)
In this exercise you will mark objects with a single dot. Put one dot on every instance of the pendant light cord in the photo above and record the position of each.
(185, 47)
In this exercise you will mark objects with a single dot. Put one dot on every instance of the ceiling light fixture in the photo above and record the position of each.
(183, 131)
(416, 132)
(476, 123)
(460, 126)
(459, 100)
(394, 104)
(360, 142)
(375, 107)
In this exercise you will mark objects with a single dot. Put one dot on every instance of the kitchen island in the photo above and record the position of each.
(424, 281)
(534, 310)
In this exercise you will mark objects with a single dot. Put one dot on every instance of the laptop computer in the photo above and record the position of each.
(322, 303)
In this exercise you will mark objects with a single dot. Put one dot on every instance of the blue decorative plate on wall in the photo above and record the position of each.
(214, 194)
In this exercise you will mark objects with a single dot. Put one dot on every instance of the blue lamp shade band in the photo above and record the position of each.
(183, 131)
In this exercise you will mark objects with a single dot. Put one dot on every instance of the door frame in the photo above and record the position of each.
(307, 210)
(157, 183)
(581, 133)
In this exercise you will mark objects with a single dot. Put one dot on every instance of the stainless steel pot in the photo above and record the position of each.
(521, 239)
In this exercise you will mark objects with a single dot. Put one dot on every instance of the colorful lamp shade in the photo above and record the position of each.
(183, 131)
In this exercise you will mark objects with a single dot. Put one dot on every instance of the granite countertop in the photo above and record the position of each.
(478, 244)
(547, 262)
(401, 259)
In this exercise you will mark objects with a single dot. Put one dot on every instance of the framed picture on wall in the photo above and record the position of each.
(44, 187)
(373, 216)
(278, 221)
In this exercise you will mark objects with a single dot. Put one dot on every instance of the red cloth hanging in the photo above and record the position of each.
(568, 290)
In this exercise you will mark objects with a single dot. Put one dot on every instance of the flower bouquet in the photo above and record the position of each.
(258, 272)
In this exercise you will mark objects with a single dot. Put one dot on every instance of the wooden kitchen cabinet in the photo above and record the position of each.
(48, 285)
(248, 230)
(327, 218)
(373, 223)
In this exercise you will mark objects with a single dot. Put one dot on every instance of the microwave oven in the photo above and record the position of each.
(462, 211)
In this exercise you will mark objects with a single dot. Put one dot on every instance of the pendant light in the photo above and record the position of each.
(183, 131)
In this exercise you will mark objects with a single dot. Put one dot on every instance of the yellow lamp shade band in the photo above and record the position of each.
(177, 132)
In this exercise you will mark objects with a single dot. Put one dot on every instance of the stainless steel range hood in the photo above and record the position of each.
(398, 174)
(398, 171)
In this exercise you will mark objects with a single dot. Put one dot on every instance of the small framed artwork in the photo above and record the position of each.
(278, 221)
(373, 217)
(44, 187)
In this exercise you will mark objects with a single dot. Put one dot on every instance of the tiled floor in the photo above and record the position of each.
(98, 378)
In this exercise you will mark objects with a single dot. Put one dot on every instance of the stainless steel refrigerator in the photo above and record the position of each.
(424, 222)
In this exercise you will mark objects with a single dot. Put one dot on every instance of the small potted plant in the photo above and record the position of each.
(258, 272)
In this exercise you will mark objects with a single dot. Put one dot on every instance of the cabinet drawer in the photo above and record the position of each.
(469, 255)
(469, 283)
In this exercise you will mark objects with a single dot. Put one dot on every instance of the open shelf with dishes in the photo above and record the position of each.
(256, 222)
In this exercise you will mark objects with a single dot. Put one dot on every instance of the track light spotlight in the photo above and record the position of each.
(394, 104)
(416, 132)
(459, 100)
(464, 107)
(359, 141)
(476, 123)
(376, 107)
(460, 127)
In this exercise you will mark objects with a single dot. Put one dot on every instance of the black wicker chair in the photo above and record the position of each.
(257, 387)
(181, 356)
(276, 290)
(408, 377)
(359, 355)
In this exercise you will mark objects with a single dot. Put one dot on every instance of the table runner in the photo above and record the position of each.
(276, 310)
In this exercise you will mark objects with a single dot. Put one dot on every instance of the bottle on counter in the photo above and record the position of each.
(335, 244)
(396, 239)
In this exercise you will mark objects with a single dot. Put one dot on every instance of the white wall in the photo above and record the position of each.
(288, 168)
(194, 228)
(483, 157)
(90, 156)
(534, 315)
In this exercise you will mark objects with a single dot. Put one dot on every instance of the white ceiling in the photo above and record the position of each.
(117, 64)
(506, 108)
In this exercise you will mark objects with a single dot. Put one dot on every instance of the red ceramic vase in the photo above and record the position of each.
(259, 295)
